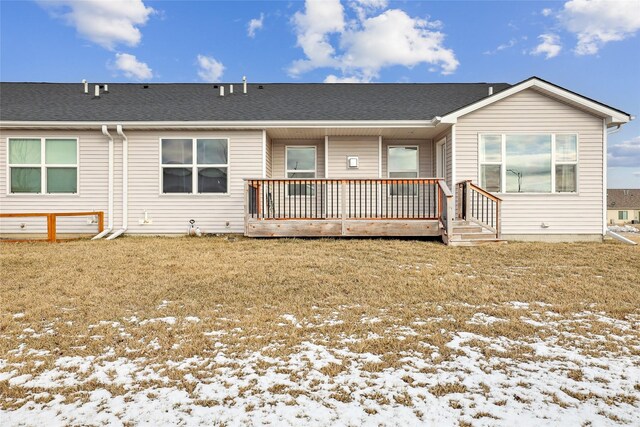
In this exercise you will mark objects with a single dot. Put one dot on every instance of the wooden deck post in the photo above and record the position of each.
(246, 207)
(467, 200)
(52, 230)
(451, 212)
(498, 219)
(100, 222)
(343, 207)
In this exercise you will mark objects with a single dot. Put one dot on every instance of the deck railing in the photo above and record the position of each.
(348, 199)
(478, 205)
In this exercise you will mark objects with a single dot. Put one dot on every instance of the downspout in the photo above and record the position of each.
(125, 183)
(107, 230)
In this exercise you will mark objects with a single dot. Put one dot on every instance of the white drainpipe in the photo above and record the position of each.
(125, 183)
(107, 230)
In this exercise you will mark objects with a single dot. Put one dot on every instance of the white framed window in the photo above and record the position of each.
(402, 162)
(300, 162)
(566, 161)
(194, 165)
(623, 215)
(43, 165)
(528, 162)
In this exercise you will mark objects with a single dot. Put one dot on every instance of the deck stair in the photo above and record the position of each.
(469, 233)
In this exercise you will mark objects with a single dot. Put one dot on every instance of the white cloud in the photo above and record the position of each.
(313, 27)
(511, 43)
(254, 25)
(104, 22)
(366, 45)
(546, 12)
(210, 70)
(132, 68)
(598, 22)
(332, 78)
(626, 153)
(363, 8)
(549, 46)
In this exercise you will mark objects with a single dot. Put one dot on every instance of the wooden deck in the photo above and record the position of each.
(339, 228)
(347, 207)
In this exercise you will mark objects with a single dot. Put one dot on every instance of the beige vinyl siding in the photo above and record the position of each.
(92, 189)
(278, 155)
(170, 213)
(365, 148)
(425, 152)
(530, 111)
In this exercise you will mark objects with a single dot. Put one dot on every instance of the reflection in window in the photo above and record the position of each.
(301, 163)
(403, 163)
(528, 163)
(206, 172)
(524, 163)
(39, 165)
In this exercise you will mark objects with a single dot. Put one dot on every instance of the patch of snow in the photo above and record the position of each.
(167, 320)
(291, 318)
(484, 319)
(623, 229)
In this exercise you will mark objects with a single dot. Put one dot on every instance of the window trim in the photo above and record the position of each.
(503, 172)
(286, 168)
(315, 161)
(389, 171)
(194, 165)
(43, 167)
(417, 170)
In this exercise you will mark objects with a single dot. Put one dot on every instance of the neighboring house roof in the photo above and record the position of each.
(266, 101)
(623, 199)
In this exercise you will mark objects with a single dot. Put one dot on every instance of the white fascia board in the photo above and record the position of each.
(227, 124)
(610, 114)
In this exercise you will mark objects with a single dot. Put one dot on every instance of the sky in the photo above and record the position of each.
(588, 46)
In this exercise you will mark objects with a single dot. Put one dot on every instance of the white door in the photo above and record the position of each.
(441, 158)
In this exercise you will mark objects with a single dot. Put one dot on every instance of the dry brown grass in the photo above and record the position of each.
(80, 298)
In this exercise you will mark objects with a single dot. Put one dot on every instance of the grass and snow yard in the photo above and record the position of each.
(234, 331)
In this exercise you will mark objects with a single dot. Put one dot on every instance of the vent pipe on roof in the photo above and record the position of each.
(230, 89)
(86, 86)
(221, 90)
(490, 90)
(96, 92)
(106, 88)
(244, 84)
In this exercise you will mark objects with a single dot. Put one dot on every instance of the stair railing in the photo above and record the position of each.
(478, 205)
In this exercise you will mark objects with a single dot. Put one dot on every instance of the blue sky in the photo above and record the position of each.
(591, 47)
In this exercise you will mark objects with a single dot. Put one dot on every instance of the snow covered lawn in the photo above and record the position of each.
(324, 332)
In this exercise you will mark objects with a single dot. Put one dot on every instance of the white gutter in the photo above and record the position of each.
(107, 230)
(125, 184)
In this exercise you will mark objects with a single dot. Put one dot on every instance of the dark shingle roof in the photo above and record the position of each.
(201, 102)
(623, 199)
